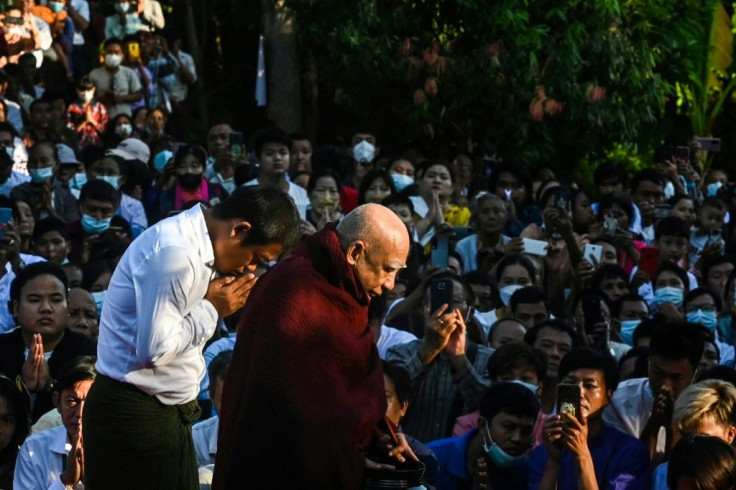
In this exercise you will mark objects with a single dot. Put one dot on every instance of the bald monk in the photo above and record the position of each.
(305, 391)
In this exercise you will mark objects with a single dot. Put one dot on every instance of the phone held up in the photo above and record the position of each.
(236, 143)
(440, 294)
(568, 400)
(440, 255)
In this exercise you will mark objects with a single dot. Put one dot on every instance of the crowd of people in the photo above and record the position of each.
(532, 332)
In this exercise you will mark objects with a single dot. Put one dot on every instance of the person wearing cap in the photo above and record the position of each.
(41, 193)
(113, 170)
(68, 168)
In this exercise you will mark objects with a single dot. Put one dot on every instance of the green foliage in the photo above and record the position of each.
(548, 82)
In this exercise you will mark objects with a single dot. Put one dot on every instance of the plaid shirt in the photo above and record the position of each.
(432, 406)
(90, 133)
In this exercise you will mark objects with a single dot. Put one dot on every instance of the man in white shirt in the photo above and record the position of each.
(161, 307)
(642, 407)
(272, 149)
(53, 458)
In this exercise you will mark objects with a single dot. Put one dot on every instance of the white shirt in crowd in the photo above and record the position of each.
(40, 461)
(390, 337)
(630, 409)
(155, 321)
(297, 194)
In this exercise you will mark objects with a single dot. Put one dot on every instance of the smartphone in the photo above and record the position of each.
(16, 21)
(440, 294)
(709, 144)
(134, 51)
(662, 211)
(236, 143)
(113, 231)
(562, 199)
(610, 225)
(649, 261)
(682, 153)
(440, 252)
(593, 254)
(535, 247)
(592, 313)
(568, 400)
(6, 215)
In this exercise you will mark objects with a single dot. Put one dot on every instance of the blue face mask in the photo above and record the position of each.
(39, 175)
(10, 151)
(401, 181)
(113, 180)
(708, 319)
(712, 188)
(627, 331)
(99, 298)
(94, 226)
(56, 7)
(668, 295)
(78, 181)
(500, 458)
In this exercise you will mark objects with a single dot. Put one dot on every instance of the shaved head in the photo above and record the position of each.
(376, 243)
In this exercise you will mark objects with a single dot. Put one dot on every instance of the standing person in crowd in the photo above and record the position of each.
(310, 310)
(154, 327)
(86, 116)
(363, 152)
(272, 150)
(116, 86)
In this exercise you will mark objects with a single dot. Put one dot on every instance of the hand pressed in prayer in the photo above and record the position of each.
(228, 294)
(35, 370)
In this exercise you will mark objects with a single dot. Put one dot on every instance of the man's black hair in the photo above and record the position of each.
(554, 324)
(588, 358)
(646, 327)
(528, 295)
(31, 272)
(49, 224)
(713, 202)
(80, 369)
(672, 226)
(112, 40)
(99, 190)
(624, 202)
(6, 126)
(715, 261)
(398, 200)
(514, 355)
(516, 169)
(92, 270)
(677, 270)
(480, 278)
(510, 398)
(678, 340)
(607, 271)
(691, 295)
(641, 354)
(271, 213)
(219, 365)
(271, 135)
(402, 382)
(610, 170)
(628, 297)
(646, 175)
(36, 103)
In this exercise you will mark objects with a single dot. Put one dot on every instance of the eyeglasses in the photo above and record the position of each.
(706, 308)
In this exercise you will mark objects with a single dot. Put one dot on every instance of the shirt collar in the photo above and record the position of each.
(58, 444)
(205, 243)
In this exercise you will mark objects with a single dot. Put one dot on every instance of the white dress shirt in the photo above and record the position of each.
(40, 461)
(296, 193)
(204, 435)
(155, 320)
(630, 409)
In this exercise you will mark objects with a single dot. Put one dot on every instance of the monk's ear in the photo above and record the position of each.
(355, 252)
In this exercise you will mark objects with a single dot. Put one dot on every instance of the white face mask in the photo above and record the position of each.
(401, 181)
(113, 180)
(364, 152)
(87, 95)
(122, 8)
(113, 60)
